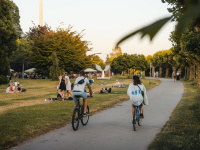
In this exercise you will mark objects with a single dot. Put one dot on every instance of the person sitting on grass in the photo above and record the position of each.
(117, 84)
(18, 88)
(79, 89)
(9, 89)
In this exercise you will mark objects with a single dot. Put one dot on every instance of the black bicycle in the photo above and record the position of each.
(137, 121)
(78, 114)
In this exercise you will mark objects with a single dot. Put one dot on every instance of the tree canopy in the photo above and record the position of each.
(126, 62)
(8, 36)
(69, 48)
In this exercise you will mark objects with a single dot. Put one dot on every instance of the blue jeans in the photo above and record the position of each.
(82, 94)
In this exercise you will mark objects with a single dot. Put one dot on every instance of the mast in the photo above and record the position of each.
(40, 14)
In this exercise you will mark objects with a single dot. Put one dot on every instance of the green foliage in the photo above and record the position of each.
(126, 62)
(185, 12)
(69, 48)
(8, 36)
(22, 54)
(3, 79)
(163, 58)
(54, 69)
(92, 60)
(16, 18)
(150, 30)
(191, 43)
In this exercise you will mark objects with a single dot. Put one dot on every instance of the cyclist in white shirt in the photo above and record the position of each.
(79, 89)
(135, 91)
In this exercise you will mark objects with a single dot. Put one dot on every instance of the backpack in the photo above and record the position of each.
(136, 97)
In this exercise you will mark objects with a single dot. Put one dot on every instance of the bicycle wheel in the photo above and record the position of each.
(140, 121)
(135, 125)
(75, 119)
(84, 120)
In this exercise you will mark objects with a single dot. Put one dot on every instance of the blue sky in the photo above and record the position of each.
(104, 21)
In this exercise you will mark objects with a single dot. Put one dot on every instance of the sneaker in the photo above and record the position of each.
(141, 115)
(85, 114)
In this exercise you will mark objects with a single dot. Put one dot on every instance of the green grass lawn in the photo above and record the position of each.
(26, 115)
(182, 131)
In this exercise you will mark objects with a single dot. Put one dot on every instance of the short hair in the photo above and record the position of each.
(82, 72)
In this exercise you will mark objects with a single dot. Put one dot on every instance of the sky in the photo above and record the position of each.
(104, 22)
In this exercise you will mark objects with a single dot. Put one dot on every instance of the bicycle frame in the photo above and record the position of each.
(79, 109)
(136, 118)
(138, 112)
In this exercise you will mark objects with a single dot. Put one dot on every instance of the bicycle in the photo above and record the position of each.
(137, 121)
(78, 114)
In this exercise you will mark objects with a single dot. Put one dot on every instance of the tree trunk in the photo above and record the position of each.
(153, 70)
(22, 69)
(198, 76)
(192, 72)
(160, 72)
(167, 72)
(143, 73)
(188, 72)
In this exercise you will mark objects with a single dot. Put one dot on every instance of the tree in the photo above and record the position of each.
(93, 59)
(69, 48)
(190, 48)
(22, 54)
(8, 37)
(16, 18)
(115, 53)
(54, 69)
(126, 62)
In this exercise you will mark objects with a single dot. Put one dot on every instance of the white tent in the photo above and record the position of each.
(90, 70)
(11, 70)
(30, 70)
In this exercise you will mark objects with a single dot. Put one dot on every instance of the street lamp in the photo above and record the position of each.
(150, 68)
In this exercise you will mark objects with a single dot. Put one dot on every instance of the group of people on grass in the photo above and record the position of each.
(14, 87)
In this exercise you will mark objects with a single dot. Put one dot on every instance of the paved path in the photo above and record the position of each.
(112, 129)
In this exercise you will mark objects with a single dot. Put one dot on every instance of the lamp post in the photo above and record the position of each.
(150, 68)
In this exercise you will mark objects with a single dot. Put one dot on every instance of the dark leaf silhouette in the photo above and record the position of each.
(150, 30)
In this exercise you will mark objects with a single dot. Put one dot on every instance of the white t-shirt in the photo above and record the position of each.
(80, 87)
(132, 89)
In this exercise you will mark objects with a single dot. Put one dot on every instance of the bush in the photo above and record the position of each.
(3, 80)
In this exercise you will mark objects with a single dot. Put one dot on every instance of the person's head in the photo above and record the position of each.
(82, 73)
(136, 80)
(63, 74)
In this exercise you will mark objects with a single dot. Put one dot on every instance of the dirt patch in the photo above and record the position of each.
(21, 104)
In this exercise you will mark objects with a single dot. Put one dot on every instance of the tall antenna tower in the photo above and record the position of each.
(40, 14)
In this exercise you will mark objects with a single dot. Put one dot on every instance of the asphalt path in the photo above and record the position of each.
(112, 129)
